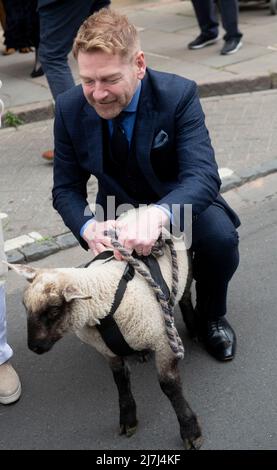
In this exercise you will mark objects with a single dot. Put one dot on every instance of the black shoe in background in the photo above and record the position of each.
(202, 41)
(231, 46)
(37, 70)
(218, 338)
(37, 73)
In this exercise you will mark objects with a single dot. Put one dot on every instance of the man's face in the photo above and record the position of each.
(109, 81)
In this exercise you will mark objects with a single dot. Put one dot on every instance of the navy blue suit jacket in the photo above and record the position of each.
(44, 3)
(181, 168)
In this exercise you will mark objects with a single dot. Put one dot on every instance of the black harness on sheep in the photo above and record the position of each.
(167, 305)
(108, 327)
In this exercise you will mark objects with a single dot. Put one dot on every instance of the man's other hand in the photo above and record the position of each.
(96, 236)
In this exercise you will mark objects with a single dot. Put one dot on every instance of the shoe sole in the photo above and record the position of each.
(220, 359)
(208, 43)
(51, 159)
(11, 398)
(234, 50)
(47, 157)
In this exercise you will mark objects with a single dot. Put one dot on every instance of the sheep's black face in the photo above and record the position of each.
(39, 346)
(45, 329)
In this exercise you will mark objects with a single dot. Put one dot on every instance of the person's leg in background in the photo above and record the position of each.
(215, 260)
(230, 17)
(11, 27)
(34, 28)
(5, 349)
(59, 23)
(207, 19)
(10, 387)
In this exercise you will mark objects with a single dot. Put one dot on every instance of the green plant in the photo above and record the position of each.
(11, 120)
(45, 239)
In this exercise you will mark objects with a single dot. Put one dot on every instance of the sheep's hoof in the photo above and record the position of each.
(127, 430)
(193, 443)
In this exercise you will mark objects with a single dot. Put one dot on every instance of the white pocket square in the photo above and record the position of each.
(160, 139)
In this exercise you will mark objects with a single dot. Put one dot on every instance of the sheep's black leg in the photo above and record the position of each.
(188, 314)
(171, 385)
(127, 405)
(185, 304)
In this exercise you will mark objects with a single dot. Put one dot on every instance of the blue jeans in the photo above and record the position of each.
(215, 259)
(207, 19)
(59, 23)
(5, 350)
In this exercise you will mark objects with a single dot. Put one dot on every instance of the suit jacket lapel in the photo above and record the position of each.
(146, 126)
(93, 129)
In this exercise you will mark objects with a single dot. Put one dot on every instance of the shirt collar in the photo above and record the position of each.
(132, 106)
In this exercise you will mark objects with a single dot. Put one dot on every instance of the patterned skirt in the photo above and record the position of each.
(22, 23)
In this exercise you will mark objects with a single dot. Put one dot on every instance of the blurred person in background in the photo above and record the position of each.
(59, 23)
(10, 386)
(21, 26)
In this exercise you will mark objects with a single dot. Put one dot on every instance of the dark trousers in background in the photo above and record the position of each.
(215, 259)
(206, 15)
(59, 23)
(21, 23)
(2, 15)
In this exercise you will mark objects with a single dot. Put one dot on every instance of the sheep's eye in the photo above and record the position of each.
(48, 316)
(53, 312)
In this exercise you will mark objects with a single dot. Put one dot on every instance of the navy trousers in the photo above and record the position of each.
(215, 259)
(207, 18)
(59, 23)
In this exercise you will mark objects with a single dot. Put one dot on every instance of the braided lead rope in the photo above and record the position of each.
(175, 272)
(174, 339)
(174, 288)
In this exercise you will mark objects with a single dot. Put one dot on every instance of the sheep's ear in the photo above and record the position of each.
(71, 293)
(23, 270)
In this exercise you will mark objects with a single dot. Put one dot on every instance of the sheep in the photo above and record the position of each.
(64, 300)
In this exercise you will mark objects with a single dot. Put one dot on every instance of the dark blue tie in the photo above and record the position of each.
(119, 142)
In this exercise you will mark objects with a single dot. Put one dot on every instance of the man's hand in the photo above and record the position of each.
(143, 232)
(96, 237)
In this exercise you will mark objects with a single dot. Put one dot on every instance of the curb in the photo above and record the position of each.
(42, 110)
(41, 249)
(239, 85)
(33, 112)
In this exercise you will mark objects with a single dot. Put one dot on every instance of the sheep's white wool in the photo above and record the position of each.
(139, 316)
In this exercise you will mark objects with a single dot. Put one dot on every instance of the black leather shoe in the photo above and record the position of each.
(37, 72)
(219, 339)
